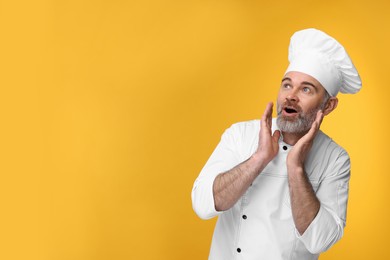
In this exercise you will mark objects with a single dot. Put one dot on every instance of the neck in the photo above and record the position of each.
(292, 138)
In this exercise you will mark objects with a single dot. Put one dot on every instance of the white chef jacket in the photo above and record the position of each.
(260, 225)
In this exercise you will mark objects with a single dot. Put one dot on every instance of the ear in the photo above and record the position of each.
(331, 105)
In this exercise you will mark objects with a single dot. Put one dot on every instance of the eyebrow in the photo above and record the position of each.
(309, 83)
(302, 83)
(286, 78)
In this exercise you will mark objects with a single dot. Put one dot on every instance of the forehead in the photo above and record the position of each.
(299, 78)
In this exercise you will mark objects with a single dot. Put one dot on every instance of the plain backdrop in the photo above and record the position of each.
(109, 110)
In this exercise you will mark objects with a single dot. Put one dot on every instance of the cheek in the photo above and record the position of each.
(310, 105)
(280, 97)
(279, 102)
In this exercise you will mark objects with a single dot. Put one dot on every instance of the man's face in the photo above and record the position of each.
(300, 97)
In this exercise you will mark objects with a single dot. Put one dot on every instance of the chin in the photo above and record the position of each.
(292, 125)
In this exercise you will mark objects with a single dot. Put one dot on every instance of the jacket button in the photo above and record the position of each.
(239, 250)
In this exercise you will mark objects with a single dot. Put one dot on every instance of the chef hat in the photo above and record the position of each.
(317, 54)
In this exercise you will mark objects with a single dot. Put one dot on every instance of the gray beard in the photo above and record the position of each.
(301, 124)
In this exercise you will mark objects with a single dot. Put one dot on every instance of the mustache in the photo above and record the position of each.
(288, 105)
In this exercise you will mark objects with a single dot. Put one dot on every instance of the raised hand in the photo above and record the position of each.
(297, 156)
(268, 142)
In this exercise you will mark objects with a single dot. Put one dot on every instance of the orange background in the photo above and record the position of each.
(109, 110)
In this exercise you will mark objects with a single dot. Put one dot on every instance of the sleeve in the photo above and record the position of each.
(328, 226)
(224, 157)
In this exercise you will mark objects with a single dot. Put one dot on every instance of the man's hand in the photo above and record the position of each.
(229, 186)
(297, 156)
(304, 203)
(268, 143)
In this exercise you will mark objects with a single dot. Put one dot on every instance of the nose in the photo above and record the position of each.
(292, 96)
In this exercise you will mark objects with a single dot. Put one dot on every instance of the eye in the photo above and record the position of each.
(286, 86)
(306, 90)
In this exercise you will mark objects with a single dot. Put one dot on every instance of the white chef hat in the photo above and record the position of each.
(315, 53)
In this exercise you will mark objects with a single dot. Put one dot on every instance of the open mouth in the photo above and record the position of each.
(290, 110)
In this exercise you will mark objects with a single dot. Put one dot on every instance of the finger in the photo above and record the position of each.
(267, 116)
(268, 110)
(314, 127)
(270, 114)
(276, 136)
(319, 117)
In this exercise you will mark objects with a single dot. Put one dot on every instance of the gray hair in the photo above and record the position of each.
(327, 96)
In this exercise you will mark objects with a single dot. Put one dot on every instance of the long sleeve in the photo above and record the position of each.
(260, 224)
(224, 157)
(328, 226)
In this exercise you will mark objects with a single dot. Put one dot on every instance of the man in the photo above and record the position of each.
(280, 186)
